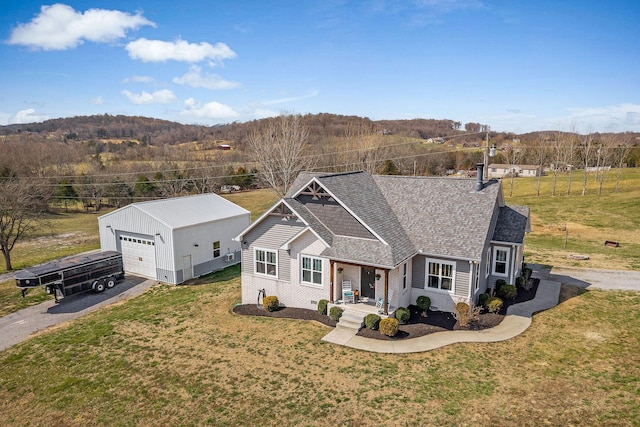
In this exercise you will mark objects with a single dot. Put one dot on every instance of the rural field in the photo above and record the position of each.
(179, 356)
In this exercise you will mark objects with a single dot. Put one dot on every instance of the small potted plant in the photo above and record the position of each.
(378, 276)
(340, 269)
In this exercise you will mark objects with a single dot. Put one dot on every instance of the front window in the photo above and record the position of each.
(440, 275)
(500, 261)
(312, 270)
(266, 262)
(216, 249)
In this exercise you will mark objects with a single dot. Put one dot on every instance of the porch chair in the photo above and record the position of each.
(347, 292)
(380, 302)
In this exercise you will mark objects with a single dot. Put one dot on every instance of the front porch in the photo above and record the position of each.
(366, 283)
(364, 307)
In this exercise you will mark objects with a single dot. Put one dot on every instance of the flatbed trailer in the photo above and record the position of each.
(70, 275)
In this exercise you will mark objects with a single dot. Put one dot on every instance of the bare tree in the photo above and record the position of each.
(277, 146)
(21, 203)
(512, 155)
(619, 154)
(540, 153)
(586, 149)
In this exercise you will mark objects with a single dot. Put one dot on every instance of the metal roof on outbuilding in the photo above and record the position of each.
(179, 212)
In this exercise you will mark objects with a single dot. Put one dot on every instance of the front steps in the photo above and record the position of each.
(351, 319)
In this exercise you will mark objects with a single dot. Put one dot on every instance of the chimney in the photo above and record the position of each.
(479, 185)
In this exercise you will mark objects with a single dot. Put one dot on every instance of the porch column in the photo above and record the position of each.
(331, 273)
(386, 292)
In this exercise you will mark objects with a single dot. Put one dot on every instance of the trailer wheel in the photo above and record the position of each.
(98, 286)
(111, 282)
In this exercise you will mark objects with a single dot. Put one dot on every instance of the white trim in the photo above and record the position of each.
(264, 215)
(453, 264)
(255, 260)
(488, 266)
(470, 280)
(322, 268)
(287, 245)
(507, 262)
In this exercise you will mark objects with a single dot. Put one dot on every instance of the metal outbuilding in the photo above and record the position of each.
(174, 240)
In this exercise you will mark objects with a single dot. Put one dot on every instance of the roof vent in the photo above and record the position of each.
(479, 185)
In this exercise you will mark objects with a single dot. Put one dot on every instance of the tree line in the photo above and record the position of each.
(54, 164)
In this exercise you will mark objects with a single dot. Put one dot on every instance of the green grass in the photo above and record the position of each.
(589, 220)
(178, 356)
(257, 201)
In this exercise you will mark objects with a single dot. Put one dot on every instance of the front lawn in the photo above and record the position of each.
(179, 356)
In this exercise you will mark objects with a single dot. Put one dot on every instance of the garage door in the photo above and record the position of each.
(138, 255)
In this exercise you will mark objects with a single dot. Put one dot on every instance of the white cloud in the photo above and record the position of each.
(195, 78)
(619, 117)
(210, 110)
(179, 50)
(59, 27)
(97, 100)
(139, 79)
(28, 116)
(163, 96)
(291, 99)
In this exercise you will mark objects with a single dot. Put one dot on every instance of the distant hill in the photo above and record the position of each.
(161, 132)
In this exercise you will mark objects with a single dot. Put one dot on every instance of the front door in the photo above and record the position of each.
(368, 282)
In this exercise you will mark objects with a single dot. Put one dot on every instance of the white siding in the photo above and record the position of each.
(171, 245)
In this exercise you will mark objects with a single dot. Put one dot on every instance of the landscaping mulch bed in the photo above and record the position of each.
(418, 325)
(284, 313)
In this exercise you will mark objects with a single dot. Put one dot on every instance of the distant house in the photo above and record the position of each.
(497, 170)
(435, 141)
(390, 238)
(174, 240)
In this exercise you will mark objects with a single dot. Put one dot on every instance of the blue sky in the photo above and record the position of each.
(517, 66)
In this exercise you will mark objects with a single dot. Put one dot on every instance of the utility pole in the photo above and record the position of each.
(488, 152)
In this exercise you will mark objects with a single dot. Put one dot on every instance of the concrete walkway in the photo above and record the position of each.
(516, 321)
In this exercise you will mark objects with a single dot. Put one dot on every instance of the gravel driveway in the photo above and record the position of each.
(19, 326)
(625, 280)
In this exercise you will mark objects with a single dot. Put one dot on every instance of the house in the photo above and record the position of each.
(176, 239)
(497, 170)
(392, 238)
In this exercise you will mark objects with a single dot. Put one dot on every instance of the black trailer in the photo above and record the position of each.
(71, 275)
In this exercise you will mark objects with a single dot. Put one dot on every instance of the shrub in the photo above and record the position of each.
(423, 303)
(335, 313)
(465, 313)
(494, 305)
(270, 303)
(527, 284)
(500, 283)
(520, 281)
(372, 321)
(508, 291)
(527, 272)
(389, 326)
(482, 299)
(403, 315)
(322, 306)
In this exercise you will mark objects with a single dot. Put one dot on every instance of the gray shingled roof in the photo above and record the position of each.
(513, 222)
(434, 216)
(443, 216)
